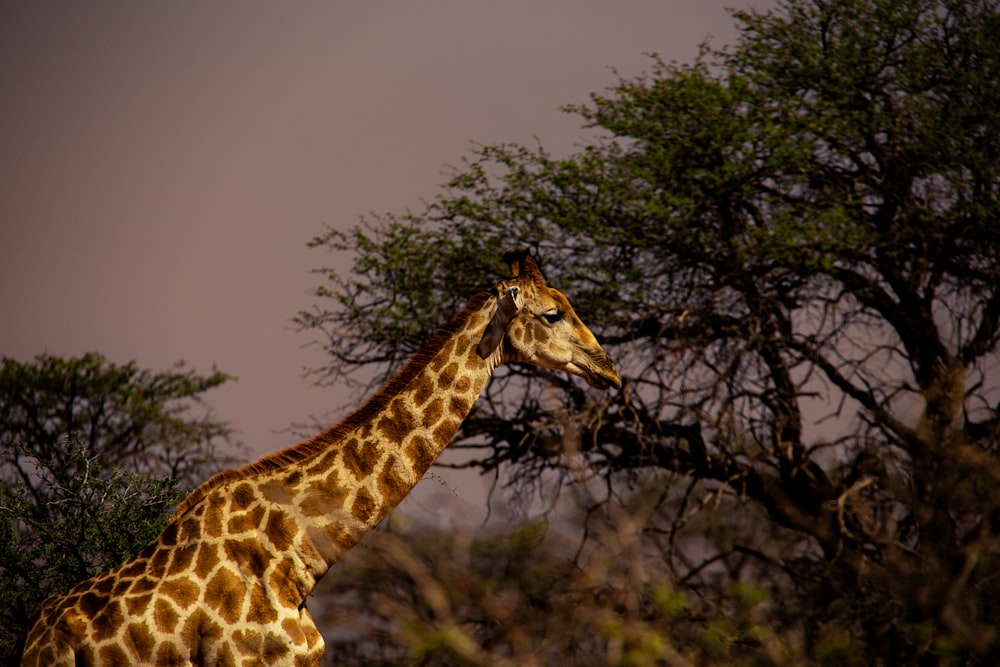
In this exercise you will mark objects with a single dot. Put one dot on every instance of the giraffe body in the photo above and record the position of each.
(226, 582)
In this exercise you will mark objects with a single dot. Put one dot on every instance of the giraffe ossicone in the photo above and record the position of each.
(226, 582)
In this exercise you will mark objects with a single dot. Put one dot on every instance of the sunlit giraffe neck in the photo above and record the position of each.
(227, 580)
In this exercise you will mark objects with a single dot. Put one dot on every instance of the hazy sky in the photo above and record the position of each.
(163, 165)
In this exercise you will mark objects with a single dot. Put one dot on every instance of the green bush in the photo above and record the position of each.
(91, 519)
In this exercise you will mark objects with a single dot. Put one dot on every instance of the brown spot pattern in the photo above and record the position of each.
(248, 555)
(242, 497)
(279, 530)
(293, 631)
(364, 505)
(247, 642)
(224, 594)
(423, 391)
(182, 558)
(158, 563)
(137, 604)
(183, 591)
(274, 649)
(213, 515)
(241, 523)
(433, 412)
(459, 406)
(114, 656)
(225, 657)
(168, 654)
(136, 569)
(421, 454)
(260, 611)
(390, 484)
(289, 594)
(277, 490)
(402, 415)
(399, 421)
(322, 499)
(142, 585)
(140, 640)
(360, 457)
(104, 585)
(323, 463)
(168, 537)
(91, 603)
(106, 624)
(164, 616)
(307, 660)
(206, 561)
(313, 637)
(190, 529)
(447, 429)
(443, 356)
(200, 626)
(447, 376)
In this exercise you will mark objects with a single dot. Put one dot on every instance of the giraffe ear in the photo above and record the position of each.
(508, 305)
(522, 265)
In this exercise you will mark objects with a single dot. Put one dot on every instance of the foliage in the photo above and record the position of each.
(93, 458)
(536, 595)
(792, 249)
(92, 519)
(127, 417)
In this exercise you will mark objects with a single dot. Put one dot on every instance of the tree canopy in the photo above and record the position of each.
(94, 456)
(129, 418)
(791, 247)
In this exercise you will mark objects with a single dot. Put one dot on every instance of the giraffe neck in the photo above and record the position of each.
(233, 568)
(363, 472)
(312, 502)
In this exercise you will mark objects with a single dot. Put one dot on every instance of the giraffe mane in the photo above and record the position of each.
(306, 448)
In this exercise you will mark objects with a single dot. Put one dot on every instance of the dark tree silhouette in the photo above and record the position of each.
(792, 249)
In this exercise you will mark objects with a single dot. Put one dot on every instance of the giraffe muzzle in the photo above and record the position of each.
(599, 371)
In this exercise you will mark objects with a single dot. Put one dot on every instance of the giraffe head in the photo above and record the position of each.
(536, 324)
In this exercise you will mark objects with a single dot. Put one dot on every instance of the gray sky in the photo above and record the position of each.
(163, 165)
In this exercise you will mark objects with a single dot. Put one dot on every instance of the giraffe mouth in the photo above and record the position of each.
(599, 371)
(604, 381)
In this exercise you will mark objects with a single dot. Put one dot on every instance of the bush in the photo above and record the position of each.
(92, 519)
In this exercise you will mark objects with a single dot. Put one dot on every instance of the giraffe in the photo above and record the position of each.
(226, 582)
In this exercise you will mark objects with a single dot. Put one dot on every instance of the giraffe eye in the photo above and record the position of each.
(553, 317)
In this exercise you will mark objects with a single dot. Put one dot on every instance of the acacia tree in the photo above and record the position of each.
(94, 456)
(792, 249)
(127, 417)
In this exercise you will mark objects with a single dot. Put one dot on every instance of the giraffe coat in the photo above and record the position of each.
(226, 582)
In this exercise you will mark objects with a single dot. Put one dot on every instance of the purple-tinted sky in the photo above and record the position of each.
(163, 165)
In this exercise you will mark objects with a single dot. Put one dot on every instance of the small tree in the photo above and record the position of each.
(93, 458)
(91, 519)
(126, 417)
